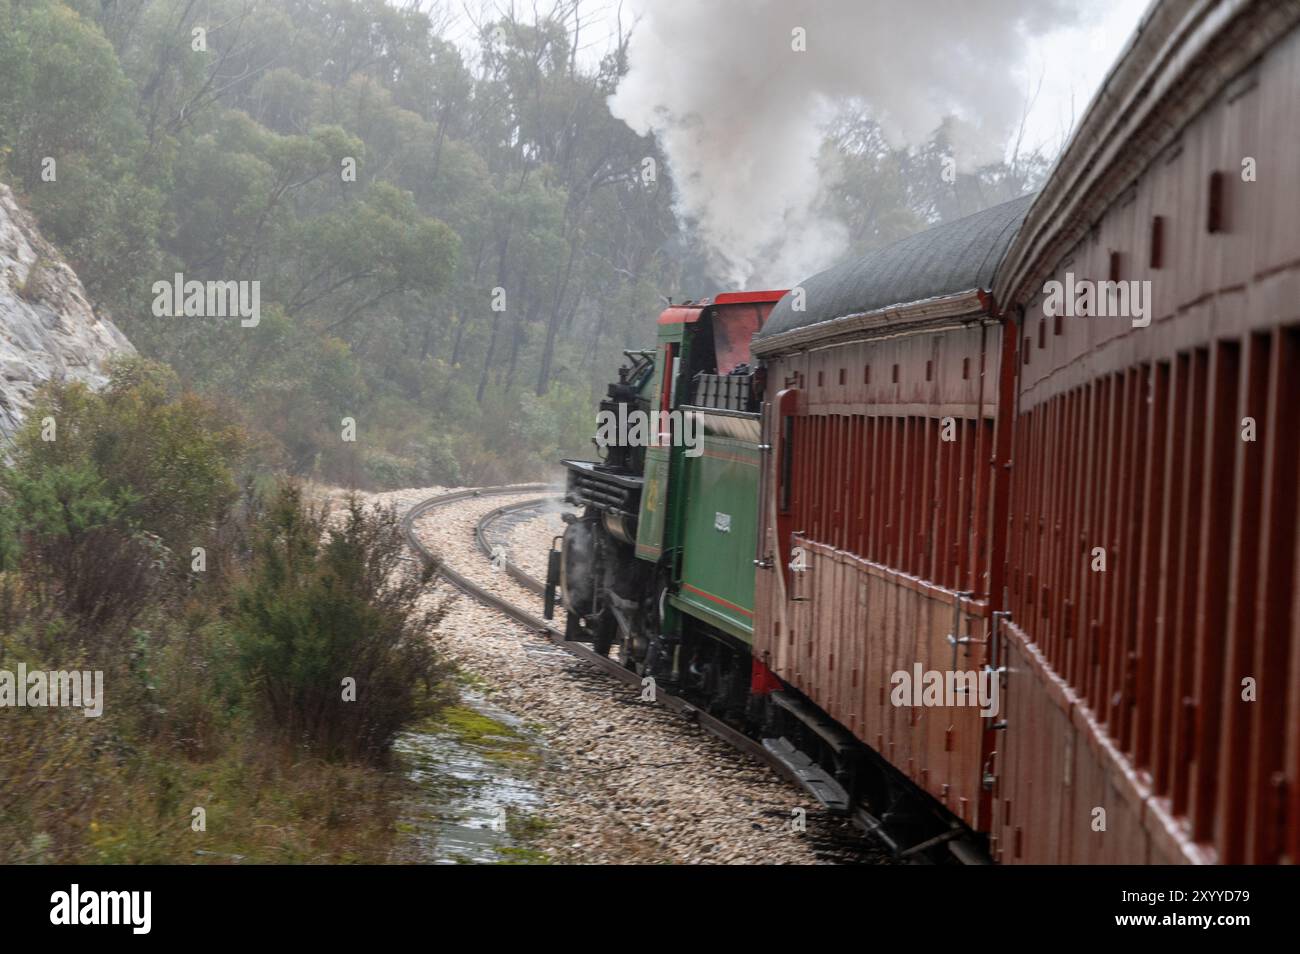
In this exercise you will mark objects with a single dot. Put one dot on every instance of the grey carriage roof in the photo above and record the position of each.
(958, 256)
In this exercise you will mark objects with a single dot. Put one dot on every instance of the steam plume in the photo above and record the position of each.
(739, 112)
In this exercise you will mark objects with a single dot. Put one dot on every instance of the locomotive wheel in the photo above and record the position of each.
(577, 571)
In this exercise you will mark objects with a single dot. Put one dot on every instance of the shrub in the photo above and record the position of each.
(97, 520)
(165, 456)
(330, 600)
(443, 464)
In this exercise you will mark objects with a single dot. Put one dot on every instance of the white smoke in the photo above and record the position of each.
(740, 113)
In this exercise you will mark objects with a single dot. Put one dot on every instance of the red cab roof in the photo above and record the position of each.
(688, 312)
(750, 297)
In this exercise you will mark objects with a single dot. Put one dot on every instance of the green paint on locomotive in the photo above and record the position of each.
(699, 513)
(718, 534)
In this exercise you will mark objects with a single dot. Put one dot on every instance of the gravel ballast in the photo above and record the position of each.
(624, 781)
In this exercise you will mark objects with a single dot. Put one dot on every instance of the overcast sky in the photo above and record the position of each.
(1070, 63)
(1073, 62)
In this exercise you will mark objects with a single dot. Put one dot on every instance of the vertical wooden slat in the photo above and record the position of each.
(855, 484)
(834, 514)
(1217, 514)
(1071, 567)
(979, 469)
(814, 488)
(1119, 683)
(1065, 572)
(876, 485)
(1180, 738)
(1149, 588)
(1015, 515)
(963, 515)
(864, 489)
(925, 528)
(1231, 797)
(1080, 652)
(1138, 502)
(822, 475)
(1054, 453)
(1064, 557)
(826, 475)
(846, 476)
(908, 494)
(808, 493)
(894, 465)
(1116, 558)
(940, 548)
(1105, 526)
(839, 523)
(919, 493)
(987, 552)
(893, 513)
(1032, 506)
(1274, 714)
(1033, 556)
(1171, 558)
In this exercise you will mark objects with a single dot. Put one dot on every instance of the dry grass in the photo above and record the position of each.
(70, 792)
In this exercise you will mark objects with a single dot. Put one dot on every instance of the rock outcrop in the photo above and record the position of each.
(48, 329)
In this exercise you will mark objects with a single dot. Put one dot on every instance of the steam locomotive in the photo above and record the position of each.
(917, 468)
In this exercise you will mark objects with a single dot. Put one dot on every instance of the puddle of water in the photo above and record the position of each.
(472, 773)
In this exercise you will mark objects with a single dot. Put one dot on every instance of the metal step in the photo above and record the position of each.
(833, 735)
(818, 782)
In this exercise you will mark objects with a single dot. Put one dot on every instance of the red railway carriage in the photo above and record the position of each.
(967, 473)
(878, 524)
(1164, 688)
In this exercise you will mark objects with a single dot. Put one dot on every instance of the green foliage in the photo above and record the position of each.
(228, 164)
(559, 424)
(221, 687)
(164, 457)
(63, 500)
(327, 602)
(503, 170)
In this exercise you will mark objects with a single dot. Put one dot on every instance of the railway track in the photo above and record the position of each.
(687, 711)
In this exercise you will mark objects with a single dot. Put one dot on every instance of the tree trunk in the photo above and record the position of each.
(502, 249)
(552, 326)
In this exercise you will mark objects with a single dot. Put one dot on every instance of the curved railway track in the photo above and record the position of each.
(689, 712)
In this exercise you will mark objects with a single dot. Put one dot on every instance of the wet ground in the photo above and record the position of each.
(473, 799)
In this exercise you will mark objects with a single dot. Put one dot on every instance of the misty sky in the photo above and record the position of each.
(738, 94)
(1070, 62)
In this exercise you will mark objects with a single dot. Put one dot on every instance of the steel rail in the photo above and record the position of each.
(690, 713)
(538, 625)
(528, 582)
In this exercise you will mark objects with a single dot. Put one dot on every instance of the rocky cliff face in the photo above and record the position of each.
(47, 327)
